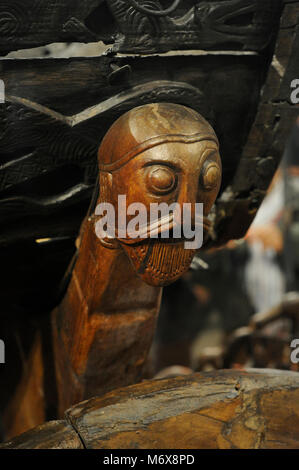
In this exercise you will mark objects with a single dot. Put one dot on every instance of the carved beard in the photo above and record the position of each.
(159, 262)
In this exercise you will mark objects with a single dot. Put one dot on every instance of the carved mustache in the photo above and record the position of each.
(164, 226)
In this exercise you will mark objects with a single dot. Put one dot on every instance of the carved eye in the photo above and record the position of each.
(161, 180)
(211, 175)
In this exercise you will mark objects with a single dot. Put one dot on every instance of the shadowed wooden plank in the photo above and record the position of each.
(229, 24)
(52, 435)
(268, 135)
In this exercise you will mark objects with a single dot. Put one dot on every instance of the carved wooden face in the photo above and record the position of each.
(169, 173)
(160, 153)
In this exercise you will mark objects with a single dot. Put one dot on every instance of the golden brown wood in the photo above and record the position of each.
(20, 415)
(103, 329)
(219, 410)
(250, 409)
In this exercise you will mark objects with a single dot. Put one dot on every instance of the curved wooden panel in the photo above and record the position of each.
(220, 410)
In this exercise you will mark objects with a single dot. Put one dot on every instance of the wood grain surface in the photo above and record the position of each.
(249, 409)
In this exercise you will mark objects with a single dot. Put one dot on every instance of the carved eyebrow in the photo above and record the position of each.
(210, 152)
(170, 165)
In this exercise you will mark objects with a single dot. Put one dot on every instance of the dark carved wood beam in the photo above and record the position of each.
(132, 27)
(268, 136)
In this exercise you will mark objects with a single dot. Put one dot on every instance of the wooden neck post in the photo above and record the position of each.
(102, 330)
(105, 324)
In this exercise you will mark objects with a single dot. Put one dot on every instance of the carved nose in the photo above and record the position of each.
(187, 199)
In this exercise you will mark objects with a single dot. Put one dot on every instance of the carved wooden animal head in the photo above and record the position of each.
(159, 153)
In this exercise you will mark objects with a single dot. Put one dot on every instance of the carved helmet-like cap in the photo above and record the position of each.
(146, 127)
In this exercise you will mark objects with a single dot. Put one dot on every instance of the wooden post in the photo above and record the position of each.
(103, 328)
